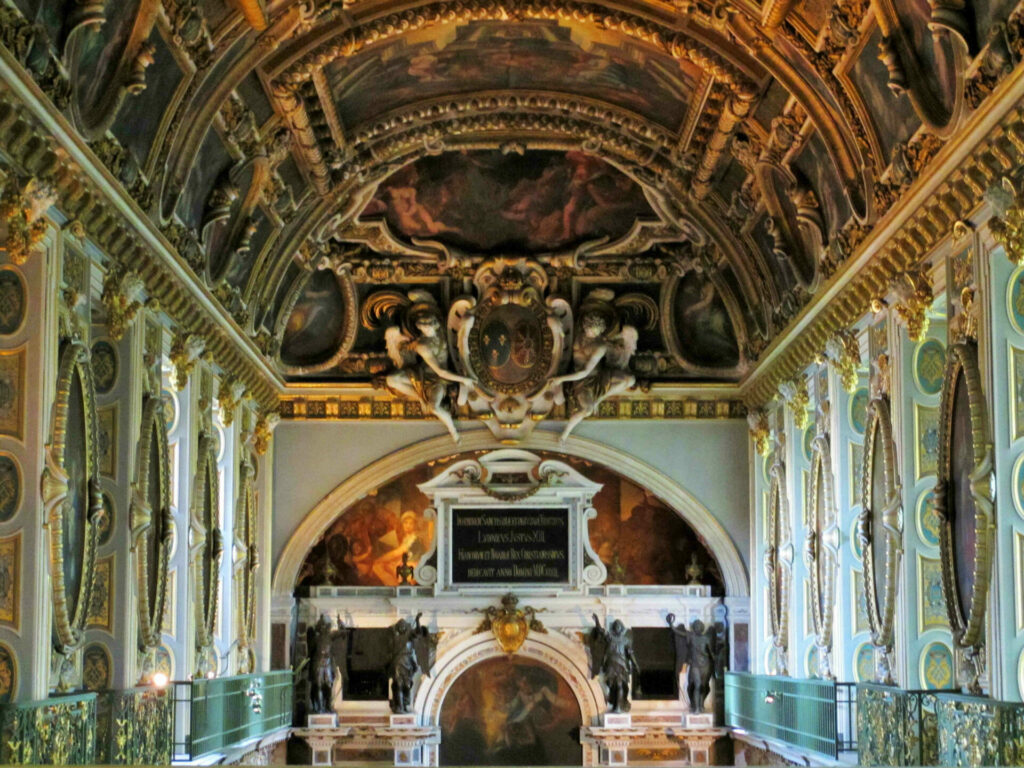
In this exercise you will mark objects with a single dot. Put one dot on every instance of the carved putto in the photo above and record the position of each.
(418, 348)
(601, 353)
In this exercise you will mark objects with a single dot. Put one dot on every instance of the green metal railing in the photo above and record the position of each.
(134, 727)
(215, 714)
(800, 713)
(977, 731)
(61, 730)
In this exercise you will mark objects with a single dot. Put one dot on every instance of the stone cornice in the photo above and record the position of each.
(38, 140)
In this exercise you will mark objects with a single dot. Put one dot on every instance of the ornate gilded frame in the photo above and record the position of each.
(968, 626)
(821, 547)
(245, 539)
(881, 609)
(142, 525)
(205, 533)
(69, 623)
(776, 565)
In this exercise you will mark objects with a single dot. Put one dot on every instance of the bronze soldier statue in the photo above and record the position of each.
(611, 655)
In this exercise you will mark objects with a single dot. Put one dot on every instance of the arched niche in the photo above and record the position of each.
(367, 480)
(565, 658)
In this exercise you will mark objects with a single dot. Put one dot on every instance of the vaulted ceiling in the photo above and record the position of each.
(716, 162)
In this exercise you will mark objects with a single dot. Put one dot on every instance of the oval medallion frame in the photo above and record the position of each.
(208, 546)
(967, 625)
(245, 539)
(776, 567)
(491, 312)
(887, 522)
(822, 547)
(143, 525)
(71, 611)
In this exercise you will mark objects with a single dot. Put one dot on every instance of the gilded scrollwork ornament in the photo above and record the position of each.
(263, 432)
(230, 393)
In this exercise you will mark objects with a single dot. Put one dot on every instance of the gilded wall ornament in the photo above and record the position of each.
(843, 353)
(151, 522)
(104, 366)
(760, 432)
(963, 499)
(915, 299)
(230, 392)
(798, 400)
(880, 533)
(510, 624)
(245, 572)
(72, 502)
(1008, 228)
(263, 432)
(22, 205)
(186, 350)
(122, 297)
(10, 487)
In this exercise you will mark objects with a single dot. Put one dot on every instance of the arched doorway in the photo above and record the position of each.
(510, 711)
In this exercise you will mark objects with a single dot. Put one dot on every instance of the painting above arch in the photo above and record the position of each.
(639, 538)
(514, 711)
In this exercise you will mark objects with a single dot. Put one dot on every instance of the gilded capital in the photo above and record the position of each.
(797, 399)
(122, 298)
(916, 299)
(757, 421)
(186, 350)
(843, 353)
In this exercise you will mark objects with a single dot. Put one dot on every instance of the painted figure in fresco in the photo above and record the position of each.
(611, 655)
(410, 546)
(601, 353)
(419, 350)
(412, 651)
(701, 650)
(325, 645)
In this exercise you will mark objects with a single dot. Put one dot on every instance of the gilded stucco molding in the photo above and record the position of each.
(122, 297)
(821, 545)
(843, 354)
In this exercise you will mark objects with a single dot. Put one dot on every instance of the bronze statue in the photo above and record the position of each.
(412, 651)
(327, 649)
(611, 655)
(703, 651)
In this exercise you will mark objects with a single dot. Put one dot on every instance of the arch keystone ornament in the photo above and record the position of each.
(963, 500)
(510, 624)
(72, 504)
(880, 523)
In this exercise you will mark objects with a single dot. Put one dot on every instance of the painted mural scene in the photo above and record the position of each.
(493, 383)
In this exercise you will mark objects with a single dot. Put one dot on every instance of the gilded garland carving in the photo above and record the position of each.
(122, 298)
(916, 298)
(71, 610)
(885, 521)
(798, 400)
(207, 549)
(843, 353)
(22, 205)
(967, 621)
(152, 526)
(760, 432)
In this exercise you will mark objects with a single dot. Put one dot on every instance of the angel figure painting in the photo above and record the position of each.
(601, 353)
(419, 351)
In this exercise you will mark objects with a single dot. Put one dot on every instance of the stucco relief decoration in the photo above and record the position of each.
(511, 339)
(821, 546)
(778, 559)
(206, 549)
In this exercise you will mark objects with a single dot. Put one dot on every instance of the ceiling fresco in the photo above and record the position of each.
(530, 56)
(325, 168)
(488, 201)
